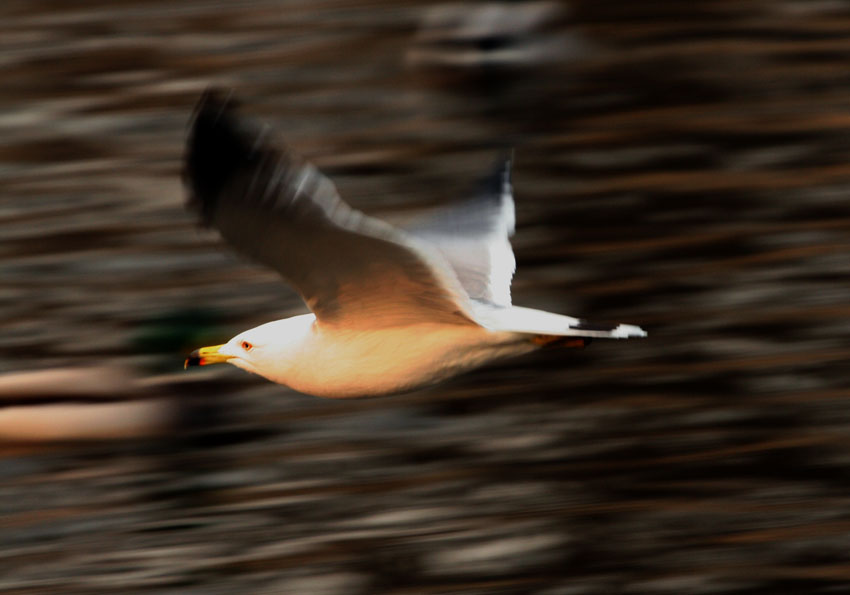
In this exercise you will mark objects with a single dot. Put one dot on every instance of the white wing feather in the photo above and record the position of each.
(473, 237)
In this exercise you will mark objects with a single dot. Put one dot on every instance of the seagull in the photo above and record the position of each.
(392, 308)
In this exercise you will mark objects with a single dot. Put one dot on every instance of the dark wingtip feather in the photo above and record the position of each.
(218, 145)
(493, 184)
(215, 100)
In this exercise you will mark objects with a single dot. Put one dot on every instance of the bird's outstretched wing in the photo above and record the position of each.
(351, 270)
(473, 235)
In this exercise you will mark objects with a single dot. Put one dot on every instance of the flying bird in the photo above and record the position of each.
(392, 309)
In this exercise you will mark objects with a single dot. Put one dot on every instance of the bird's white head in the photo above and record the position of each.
(267, 350)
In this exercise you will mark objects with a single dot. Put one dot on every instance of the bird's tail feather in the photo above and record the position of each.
(547, 328)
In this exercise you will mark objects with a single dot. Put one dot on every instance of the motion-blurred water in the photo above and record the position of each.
(682, 166)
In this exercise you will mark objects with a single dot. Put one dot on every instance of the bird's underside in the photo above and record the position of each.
(449, 268)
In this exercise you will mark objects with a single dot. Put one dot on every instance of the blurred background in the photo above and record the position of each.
(684, 166)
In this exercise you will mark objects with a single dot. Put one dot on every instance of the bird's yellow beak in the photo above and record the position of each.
(206, 356)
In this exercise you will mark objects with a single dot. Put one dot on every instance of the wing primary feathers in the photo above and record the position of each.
(216, 150)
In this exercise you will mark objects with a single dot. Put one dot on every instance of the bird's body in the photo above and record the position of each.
(393, 309)
(344, 363)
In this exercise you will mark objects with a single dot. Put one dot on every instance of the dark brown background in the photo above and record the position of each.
(679, 165)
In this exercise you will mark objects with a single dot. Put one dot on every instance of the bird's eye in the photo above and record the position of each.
(247, 346)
